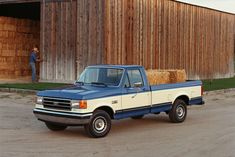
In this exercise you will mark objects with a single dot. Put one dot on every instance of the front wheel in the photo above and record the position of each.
(55, 127)
(178, 112)
(100, 124)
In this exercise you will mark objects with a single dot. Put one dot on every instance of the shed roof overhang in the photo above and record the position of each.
(17, 1)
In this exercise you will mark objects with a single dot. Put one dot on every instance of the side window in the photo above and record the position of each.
(134, 77)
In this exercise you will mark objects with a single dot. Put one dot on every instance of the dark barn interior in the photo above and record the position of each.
(22, 10)
(19, 32)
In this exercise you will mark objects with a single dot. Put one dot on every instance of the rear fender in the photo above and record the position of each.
(181, 95)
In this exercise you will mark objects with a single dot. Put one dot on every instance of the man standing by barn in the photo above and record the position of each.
(33, 59)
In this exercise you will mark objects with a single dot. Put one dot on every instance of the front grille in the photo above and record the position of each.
(55, 103)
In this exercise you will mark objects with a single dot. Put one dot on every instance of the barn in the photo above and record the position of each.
(158, 34)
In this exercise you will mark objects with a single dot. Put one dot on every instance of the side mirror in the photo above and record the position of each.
(138, 84)
(78, 83)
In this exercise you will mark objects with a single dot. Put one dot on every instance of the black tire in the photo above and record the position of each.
(100, 124)
(137, 117)
(55, 127)
(178, 112)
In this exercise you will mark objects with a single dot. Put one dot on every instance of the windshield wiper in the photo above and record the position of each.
(99, 83)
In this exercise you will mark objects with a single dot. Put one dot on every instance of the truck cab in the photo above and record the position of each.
(110, 92)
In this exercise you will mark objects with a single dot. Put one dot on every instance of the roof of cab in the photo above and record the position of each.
(116, 66)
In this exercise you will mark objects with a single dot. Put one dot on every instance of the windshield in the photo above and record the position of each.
(101, 76)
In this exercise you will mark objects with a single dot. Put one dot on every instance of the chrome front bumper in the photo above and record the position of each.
(65, 118)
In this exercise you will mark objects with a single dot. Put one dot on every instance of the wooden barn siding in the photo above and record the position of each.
(58, 41)
(72, 38)
(90, 33)
(162, 34)
(158, 34)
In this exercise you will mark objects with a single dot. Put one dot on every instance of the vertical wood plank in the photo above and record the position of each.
(154, 33)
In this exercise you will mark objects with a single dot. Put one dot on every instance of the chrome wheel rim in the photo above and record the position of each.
(100, 124)
(180, 111)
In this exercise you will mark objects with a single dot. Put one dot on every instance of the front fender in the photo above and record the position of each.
(112, 102)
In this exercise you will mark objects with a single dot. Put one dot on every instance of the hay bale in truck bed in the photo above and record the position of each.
(156, 77)
(177, 76)
(181, 76)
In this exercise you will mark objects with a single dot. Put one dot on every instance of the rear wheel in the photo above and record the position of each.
(100, 124)
(137, 117)
(55, 127)
(178, 112)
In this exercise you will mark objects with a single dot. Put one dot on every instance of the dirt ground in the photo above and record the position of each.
(209, 131)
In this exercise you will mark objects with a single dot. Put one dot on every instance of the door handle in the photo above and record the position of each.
(137, 91)
(134, 96)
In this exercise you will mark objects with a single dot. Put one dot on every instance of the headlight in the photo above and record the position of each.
(39, 100)
(82, 104)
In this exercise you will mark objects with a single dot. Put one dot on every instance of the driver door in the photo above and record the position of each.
(135, 95)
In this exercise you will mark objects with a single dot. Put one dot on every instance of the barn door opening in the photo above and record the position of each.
(19, 33)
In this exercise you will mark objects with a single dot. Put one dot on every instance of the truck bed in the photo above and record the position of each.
(167, 93)
(175, 85)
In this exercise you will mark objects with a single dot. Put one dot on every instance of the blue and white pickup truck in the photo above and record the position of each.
(107, 92)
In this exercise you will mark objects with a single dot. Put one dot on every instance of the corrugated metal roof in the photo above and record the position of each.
(227, 6)
(201, 3)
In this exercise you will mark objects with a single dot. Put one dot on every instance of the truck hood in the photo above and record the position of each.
(81, 92)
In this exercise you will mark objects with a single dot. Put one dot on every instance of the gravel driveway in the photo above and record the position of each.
(209, 131)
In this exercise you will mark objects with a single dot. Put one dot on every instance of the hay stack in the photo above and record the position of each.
(17, 37)
(156, 77)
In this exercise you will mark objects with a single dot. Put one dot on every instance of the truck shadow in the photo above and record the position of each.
(140, 124)
(70, 132)
(125, 126)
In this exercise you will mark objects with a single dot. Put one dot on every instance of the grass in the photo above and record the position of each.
(33, 86)
(209, 85)
(217, 84)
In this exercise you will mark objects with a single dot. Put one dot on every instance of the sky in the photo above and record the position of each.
(223, 5)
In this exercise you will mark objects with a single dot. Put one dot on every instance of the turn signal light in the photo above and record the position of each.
(83, 104)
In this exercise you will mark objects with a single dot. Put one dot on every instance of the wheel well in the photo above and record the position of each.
(184, 98)
(107, 109)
